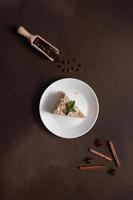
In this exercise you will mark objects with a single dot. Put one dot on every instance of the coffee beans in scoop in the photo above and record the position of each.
(46, 48)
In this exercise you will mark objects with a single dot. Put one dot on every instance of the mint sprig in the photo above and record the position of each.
(70, 107)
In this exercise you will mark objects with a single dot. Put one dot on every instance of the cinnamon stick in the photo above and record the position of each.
(92, 167)
(114, 153)
(100, 154)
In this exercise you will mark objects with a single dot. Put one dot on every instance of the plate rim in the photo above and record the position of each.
(97, 103)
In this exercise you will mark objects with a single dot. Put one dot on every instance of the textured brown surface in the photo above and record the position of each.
(35, 164)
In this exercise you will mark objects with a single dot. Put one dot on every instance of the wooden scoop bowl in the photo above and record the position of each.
(40, 44)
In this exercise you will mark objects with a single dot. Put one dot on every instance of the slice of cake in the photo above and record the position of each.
(67, 107)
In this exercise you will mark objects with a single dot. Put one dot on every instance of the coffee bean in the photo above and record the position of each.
(87, 162)
(68, 70)
(74, 59)
(88, 159)
(57, 59)
(51, 48)
(85, 159)
(112, 172)
(79, 65)
(64, 70)
(68, 62)
(63, 62)
(77, 69)
(72, 68)
(41, 45)
(98, 142)
(36, 41)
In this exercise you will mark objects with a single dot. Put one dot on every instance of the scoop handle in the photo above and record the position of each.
(22, 31)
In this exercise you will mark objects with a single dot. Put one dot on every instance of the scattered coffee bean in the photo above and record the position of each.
(72, 68)
(63, 62)
(87, 162)
(69, 70)
(85, 159)
(64, 70)
(59, 66)
(112, 172)
(88, 159)
(98, 142)
(77, 69)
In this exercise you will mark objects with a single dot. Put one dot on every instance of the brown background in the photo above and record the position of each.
(35, 164)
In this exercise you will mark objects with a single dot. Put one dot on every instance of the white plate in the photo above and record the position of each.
(86, 100)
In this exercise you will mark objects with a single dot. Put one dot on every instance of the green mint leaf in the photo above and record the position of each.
(70, 107)
(73, 110)
(70, 104)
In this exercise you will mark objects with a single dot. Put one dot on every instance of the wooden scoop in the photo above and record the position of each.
(40, 44)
